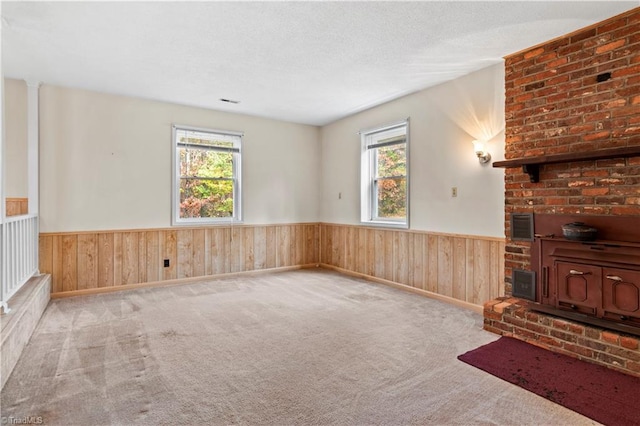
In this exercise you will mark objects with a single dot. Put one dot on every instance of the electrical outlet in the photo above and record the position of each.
(166, 263)
(454, 191)
(339, 195)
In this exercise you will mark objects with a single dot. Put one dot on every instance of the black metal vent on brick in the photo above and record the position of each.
(522, 226)
(523, 284)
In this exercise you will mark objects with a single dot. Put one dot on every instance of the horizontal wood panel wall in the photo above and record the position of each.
(90, 260)
(467, 268)
(17, 206)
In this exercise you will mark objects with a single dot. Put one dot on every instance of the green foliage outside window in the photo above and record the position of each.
(206, 182)
(391, 181)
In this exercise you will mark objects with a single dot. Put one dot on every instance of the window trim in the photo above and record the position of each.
(367, 176)
(176, 220)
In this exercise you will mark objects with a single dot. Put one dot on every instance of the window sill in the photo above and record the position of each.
(381, 224)
(197, 223)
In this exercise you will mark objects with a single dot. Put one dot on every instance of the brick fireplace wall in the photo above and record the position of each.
(555, 104)
(573, 94)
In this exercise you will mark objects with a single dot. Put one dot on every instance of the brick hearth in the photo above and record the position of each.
(510, 316)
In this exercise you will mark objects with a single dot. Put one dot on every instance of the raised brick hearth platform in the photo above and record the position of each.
(511, 316)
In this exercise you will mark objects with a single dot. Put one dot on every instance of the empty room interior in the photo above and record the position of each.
(288, 213)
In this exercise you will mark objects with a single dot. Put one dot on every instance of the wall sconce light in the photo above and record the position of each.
(480, 150)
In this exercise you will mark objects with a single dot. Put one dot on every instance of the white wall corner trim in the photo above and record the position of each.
(3, 210)
(33, 139)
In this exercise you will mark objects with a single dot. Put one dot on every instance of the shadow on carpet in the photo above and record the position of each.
(602, 394)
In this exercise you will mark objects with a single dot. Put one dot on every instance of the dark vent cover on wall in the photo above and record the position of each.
(524, 284)
(522, 226)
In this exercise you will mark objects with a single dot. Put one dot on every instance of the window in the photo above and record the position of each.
(384, 175)
(206, 175)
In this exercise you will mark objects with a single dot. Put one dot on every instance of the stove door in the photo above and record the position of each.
(621, 295)
(579, 288)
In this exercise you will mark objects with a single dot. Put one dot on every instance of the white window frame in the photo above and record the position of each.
(368, 196)
(175, 173)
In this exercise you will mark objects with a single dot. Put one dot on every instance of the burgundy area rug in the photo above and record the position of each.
(604, 395)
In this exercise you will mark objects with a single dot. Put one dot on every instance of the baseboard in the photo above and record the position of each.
(179, 281)
(429, 294)
(27, 306)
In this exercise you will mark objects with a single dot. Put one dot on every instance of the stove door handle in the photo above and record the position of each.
(614, 278)
(574, 272)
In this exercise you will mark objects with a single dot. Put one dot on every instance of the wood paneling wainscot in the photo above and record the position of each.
(17, 206)
(465, 270)
(88, 262)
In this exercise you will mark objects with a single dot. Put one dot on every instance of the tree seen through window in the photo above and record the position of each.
(207, 174)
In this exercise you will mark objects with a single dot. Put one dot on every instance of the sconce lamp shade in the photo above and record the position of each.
(480, 150)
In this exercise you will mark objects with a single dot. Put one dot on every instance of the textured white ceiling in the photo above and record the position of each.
(306, 62)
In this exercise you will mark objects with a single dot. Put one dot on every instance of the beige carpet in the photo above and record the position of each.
(291, 348)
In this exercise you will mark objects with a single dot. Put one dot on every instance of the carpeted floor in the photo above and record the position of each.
(301, 347)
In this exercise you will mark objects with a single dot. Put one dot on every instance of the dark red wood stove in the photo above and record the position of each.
(596, 282)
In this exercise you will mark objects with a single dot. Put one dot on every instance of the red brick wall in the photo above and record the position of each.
(554, 104)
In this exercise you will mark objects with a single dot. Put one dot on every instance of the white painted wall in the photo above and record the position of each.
(105, 162)
(15, 149)
(443, 122)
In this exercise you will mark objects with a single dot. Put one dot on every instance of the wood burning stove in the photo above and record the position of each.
(596, 282)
